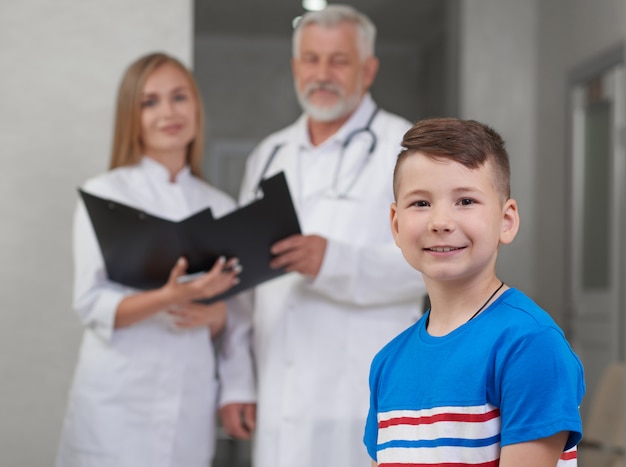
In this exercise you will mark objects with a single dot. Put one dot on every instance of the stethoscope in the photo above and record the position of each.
(334, 190)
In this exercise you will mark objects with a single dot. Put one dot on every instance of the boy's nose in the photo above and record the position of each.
(440, 221)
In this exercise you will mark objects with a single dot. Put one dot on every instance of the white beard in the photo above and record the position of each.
(344, 105)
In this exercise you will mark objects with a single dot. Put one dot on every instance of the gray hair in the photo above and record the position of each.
(331, 17)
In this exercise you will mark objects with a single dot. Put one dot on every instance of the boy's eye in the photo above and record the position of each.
(466, 202)
(421, 204)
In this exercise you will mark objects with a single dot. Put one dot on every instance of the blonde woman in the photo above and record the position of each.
(144, 392)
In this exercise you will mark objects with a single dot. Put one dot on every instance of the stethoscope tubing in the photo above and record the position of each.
(367, 129)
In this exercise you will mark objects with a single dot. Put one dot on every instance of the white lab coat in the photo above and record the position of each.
(144, 395)
(314, 339)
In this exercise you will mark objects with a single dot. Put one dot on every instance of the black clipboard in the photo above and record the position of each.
(140, 249)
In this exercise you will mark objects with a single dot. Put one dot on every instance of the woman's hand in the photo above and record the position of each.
(221, 277)
(177, 293)
(195, 315)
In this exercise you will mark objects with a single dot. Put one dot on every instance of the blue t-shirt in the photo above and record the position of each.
(507, 376)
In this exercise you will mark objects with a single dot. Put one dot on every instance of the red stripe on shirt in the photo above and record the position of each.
(569, 455)
(443, 417)
(445, 464)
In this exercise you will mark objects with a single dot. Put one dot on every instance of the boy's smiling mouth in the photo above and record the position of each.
(443, 249)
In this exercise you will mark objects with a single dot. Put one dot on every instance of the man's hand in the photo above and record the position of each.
(299, 253)
(239, 419)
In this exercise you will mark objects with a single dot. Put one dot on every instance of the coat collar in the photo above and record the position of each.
(357, 120)
(159, 173)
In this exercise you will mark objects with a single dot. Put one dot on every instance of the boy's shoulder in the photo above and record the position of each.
(524, 312)
(402, 343)
(514, 316)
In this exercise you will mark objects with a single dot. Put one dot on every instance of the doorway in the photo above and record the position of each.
(597, 207)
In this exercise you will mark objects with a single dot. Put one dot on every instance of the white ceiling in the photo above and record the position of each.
(395, 19)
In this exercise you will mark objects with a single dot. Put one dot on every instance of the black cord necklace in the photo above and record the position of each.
(481, 308)
(488, 300)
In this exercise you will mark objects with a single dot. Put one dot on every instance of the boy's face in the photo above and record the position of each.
(448, 220)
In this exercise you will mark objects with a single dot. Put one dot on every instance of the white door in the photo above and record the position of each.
(597, 231)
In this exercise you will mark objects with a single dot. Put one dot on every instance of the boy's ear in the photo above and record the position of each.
(393, 217)
(510, 222)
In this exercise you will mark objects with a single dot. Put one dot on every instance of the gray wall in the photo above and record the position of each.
(497, 80)
(568, 36)
(60, 63)
(248, 93)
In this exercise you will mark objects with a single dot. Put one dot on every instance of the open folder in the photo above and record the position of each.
(140, 249)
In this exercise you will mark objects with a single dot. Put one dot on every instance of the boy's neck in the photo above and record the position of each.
(454, 304)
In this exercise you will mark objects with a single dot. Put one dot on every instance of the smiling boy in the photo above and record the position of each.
(485, 377)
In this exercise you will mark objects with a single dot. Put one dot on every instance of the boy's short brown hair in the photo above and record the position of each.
(467, 142)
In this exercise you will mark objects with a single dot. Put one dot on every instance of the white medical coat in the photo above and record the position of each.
(144, 395)
(314, 339)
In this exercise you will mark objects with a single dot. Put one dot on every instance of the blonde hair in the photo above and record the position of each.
(127, 146)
